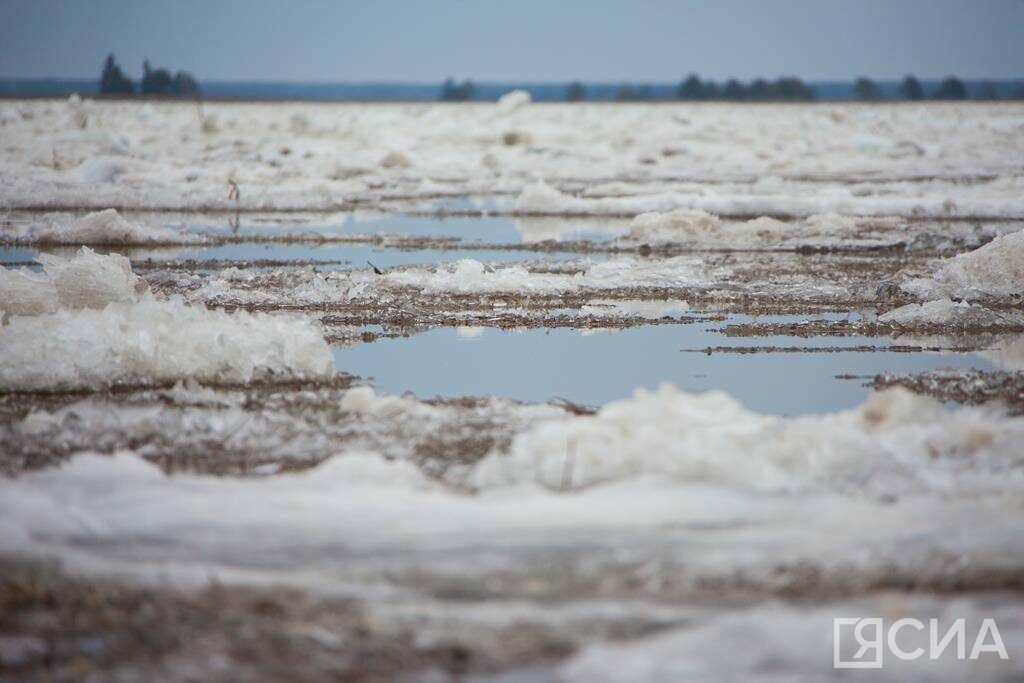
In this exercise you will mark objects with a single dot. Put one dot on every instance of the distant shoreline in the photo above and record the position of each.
(263, 91)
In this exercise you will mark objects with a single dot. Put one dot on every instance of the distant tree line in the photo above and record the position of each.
(457, 92)
(155, 82)
(951, 88)
(760, 90)
(786, 89)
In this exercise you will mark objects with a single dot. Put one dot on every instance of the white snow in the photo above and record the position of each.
(996, 269)
(87, 280)
(722, 158)
(155, 341)
(777, 642)
(471, 276)
(100, 170)
(946, 312)
(895, 442)
(513, 100)
(99, 227)
(700, 519)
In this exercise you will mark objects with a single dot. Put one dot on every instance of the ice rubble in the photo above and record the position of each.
(156, 341)
(513, 100)
(55, 152)
(471, 276)
(87, 280)
(99, 227)
(778, 642)
(327, 526)
(694, 225)
(895, 441)
(995, 269)
(539, 198)
(947, 313)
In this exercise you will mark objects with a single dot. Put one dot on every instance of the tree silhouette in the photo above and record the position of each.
(691, 88)
(734, 90)
(155, 81)
(626, 93)
(866, 89)
(988, 91)
(457, 92)
(951, 88)
(911, 89)
(184, 83)
(575, 92)
(112, 79)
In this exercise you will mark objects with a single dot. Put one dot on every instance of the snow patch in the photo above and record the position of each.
(996, 270)
(100, 170)
(894, 442)
(511, 101)
(87, 280)
(155, 342)
(99, 227)
(946, 312)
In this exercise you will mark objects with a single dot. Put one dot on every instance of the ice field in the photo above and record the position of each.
(507, 391)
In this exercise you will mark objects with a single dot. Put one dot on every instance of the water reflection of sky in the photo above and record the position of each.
(596, 367)
(494, 230)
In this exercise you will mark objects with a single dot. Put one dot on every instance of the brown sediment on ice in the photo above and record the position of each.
(860, 328)
(57, 626)
(861, 348)
(971, 387)
(260, 430)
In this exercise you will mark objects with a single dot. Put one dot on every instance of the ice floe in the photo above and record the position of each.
(155, 342)
(86, 280)
(947, 313)
(99, 227)
(894, 442)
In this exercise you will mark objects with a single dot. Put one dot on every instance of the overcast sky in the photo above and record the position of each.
(515, 40)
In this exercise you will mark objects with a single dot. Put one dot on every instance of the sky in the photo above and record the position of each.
(515, 40)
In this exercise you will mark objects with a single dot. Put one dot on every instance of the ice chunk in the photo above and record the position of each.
(511, 101)
(471, 276)
(895, 441)
(23, 292)
(91, 280)
(672, 225)
(539, 197)
(100, 170)
(946, 312)
(996, 269)
(100, 227)
(155, 342)
(87, 280)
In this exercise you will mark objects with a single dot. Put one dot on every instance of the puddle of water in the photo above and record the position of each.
(356, 256)
(593, 368)
(348, 256)
(494, 230)
(15, 255)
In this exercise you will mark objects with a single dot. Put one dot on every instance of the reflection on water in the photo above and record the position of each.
(490, 229)
(594, 367)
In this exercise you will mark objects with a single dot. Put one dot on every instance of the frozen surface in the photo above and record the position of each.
(896, 442)
(994, 270)
(157, 341)
(780, 642)
(86, 280)
(706, 533)
(952, 315)
(894, 491)
(100, 227)
(916, 159)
